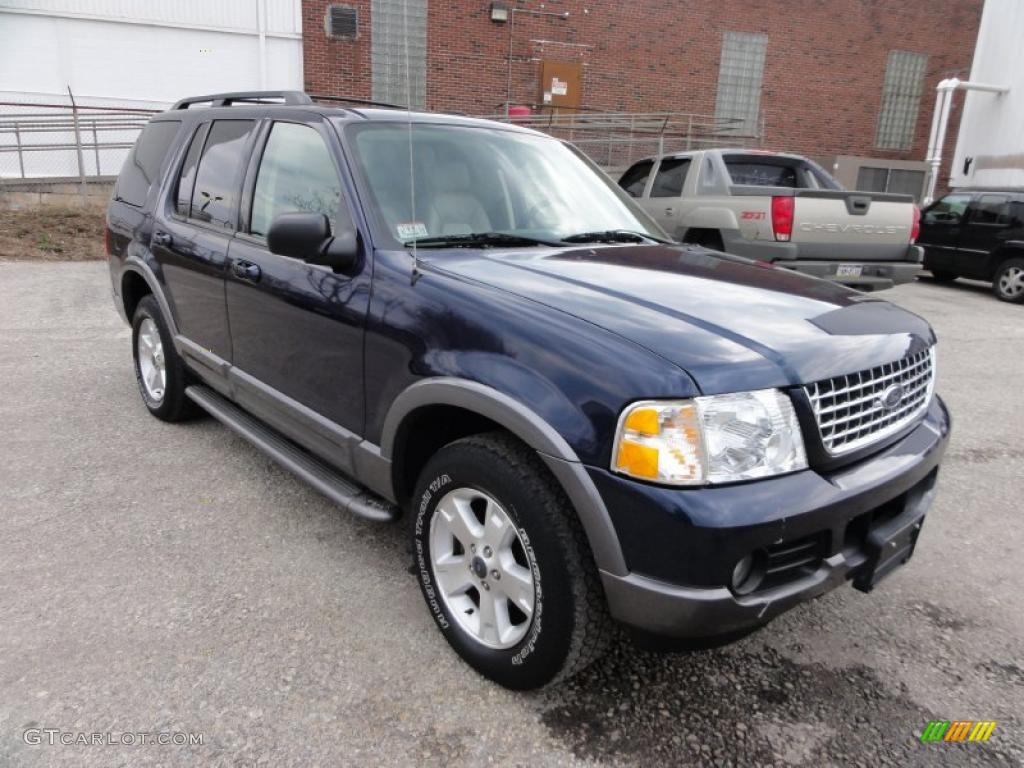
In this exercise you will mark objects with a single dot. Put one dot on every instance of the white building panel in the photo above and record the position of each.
(992, 126)
(140, 54)
(146, 54)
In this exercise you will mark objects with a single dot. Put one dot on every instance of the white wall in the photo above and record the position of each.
(147, 53)
(131, 53)
(992, 126)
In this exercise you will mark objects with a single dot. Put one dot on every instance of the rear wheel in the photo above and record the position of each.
(707, 238)
(504, 566)
(943, 276)
(1008, 284)
(159, 370)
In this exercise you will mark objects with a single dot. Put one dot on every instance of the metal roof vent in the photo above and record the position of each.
(342, 22)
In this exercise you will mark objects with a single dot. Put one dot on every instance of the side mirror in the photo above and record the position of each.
(307, 236)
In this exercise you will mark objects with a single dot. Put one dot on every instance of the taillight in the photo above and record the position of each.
(782, 217)
(915, 227)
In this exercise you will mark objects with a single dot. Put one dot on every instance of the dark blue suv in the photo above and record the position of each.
(467, 322)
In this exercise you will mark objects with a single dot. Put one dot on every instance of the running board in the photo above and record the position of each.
(324, 478)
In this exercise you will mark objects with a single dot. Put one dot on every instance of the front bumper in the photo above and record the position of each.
(681, 545)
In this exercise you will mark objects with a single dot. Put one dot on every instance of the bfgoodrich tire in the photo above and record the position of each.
(160, 373)
(504, 566)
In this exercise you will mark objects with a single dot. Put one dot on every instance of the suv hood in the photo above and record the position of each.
(729, 323)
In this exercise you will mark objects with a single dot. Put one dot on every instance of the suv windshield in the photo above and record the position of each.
(475, 181)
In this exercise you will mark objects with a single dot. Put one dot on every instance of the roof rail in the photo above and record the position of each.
(353, 100)
(248, 97)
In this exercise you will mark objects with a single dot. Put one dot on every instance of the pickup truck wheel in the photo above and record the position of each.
(943, 276)
(158, 369)
(504, 566)
(707, 238)
(1008, 284)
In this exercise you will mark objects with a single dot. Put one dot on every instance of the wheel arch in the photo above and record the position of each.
(482, 408)
(137, 277)
(1012, 249)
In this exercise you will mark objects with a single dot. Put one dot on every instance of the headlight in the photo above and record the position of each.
(714, 439)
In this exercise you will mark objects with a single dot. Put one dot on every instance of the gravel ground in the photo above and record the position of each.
(169, 578)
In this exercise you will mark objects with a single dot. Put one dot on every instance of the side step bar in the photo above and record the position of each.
(324, 478)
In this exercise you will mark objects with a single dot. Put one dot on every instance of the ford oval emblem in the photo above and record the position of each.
(891, 397)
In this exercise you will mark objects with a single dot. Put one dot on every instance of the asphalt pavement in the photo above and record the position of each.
(169, 579)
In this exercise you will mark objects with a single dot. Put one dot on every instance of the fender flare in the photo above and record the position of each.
(143, 270)
(535, 432)
(707, 217)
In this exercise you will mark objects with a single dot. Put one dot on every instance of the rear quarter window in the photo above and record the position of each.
(142, 167)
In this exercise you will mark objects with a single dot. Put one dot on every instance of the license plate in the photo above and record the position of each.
(848, 270)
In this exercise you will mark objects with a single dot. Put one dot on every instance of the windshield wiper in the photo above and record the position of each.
(611, 236)
(477, 240)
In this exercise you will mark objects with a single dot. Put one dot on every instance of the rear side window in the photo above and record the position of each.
(635, 179)
(216, 189)
(991, 209)
(187, 179)
(142, 168)
(296, 174)
(762, 174)
(670, 177)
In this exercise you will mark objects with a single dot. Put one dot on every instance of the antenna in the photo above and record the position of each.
(408, 115)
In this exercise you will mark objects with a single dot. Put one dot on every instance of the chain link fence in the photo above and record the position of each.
(615, 140)
(51, 143)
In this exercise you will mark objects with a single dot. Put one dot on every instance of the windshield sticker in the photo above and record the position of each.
(408, 230)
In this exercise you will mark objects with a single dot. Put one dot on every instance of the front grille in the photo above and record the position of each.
(853, 411)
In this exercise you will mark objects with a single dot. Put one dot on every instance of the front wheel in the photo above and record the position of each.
(504, 566)
(1008, 284)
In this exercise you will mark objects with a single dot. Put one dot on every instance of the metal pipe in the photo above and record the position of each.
(940, 121)
(78, 148)
(511, 29)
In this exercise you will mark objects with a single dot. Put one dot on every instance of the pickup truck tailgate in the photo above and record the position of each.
(860, 226)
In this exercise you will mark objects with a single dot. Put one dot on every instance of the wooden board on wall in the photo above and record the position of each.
(561, 83)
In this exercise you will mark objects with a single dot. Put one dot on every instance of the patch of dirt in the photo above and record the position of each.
(52, 233)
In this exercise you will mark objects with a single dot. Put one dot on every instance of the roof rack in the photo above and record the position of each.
(247, 97)
(352, 100)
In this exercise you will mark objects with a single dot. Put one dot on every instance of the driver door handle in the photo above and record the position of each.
(246, 270)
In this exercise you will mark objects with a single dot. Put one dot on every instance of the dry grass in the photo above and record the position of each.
(52, 233)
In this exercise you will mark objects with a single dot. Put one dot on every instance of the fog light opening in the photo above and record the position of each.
(746, 575)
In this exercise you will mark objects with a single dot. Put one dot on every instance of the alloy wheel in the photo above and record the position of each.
(152, 365)
(482, 569)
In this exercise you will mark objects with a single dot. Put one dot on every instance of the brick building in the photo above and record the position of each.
(840, 80)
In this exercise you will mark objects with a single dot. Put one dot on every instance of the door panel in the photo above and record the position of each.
(190, 239)
(987, 228)
(940, 230)
(297, 328)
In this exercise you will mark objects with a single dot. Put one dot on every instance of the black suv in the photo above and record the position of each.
(979, 234)
(468, 322)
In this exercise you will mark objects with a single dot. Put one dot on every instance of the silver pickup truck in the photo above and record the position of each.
(783, 209)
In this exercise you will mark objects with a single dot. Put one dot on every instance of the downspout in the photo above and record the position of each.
(940, 121)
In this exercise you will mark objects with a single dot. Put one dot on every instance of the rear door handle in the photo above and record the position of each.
(163, 238)
(246, 270)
